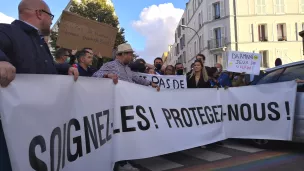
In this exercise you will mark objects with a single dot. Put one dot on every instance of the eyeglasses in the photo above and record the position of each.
(51, 15)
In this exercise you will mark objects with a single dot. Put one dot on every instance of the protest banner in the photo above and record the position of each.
(76, 32)
(80, 126)
(167, 81)
(240, 62)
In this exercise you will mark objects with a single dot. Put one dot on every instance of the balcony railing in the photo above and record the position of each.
(263, 39)
(282, 38)
(217, 43)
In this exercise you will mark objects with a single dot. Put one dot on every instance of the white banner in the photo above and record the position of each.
(248, 63)
(90, 124)
(167, 81)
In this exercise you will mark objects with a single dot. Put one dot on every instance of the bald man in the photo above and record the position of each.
(23, 50)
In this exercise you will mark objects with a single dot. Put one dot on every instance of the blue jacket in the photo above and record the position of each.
(22, 46)
(224, 80)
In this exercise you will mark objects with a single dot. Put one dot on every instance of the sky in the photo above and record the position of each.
(149, 24)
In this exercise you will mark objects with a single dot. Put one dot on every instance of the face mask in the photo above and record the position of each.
(158, 66)
(180, 72)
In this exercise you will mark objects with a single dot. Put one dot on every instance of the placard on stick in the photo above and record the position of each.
(76, 32)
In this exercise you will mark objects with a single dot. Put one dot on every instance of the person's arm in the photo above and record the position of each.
(5, 46)
(107, 68)
(7, 70)
(140, 80)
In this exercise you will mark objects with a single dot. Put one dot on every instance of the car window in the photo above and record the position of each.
(292, 73)
(270, 77)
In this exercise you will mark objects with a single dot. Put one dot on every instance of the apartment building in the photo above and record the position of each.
(269, 27)
(177, 51)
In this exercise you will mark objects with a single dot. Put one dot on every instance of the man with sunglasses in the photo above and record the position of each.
(23, 50)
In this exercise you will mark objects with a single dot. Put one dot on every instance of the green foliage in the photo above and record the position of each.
(53, 40)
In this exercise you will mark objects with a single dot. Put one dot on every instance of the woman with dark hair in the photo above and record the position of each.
(199, 77)
(278, 62)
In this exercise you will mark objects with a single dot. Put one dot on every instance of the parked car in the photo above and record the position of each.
(283, 73)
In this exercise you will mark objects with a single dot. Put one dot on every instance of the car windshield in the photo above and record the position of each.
(270, 77)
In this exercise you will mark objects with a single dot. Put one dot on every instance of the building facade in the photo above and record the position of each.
(178, 51)
(269, 27)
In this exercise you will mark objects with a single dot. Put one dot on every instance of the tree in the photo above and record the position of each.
(53, 40)
(97, 10)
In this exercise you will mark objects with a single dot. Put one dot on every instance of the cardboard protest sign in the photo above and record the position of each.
(244, 62)
(76, 32)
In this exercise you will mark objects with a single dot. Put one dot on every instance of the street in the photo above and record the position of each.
(233, 155)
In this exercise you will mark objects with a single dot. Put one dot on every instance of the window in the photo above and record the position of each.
(301, 6)
(199, 20)
(296, 30)
(263, 33)
(264, 60)
(292, 73)
(252, 33)
(184, 40)
(218, 36)
(188, 15)
(200, 43)
(195, 52)
(260, 7)
(183, 23)
(184, 56)
(175, 38)
(179, 31)
(216, 9)
(281, 32)
(177, 47)
(270, 77)
(280, 7)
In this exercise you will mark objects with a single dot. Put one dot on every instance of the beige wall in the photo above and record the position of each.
(248, 17)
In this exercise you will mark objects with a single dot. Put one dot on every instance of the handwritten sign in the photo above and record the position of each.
(167, 81)
(76, 32)
(248, 63)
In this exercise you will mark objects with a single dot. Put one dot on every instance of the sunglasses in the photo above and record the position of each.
(51, 15)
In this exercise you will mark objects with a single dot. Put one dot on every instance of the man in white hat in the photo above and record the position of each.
(119, 69)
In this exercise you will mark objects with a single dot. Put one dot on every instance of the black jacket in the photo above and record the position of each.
(22, 46)
(201, 83)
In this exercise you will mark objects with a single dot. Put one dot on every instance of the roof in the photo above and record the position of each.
(284, 66)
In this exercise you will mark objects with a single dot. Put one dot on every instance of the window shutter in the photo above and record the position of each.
(288, 33)
(223, 32)
(209, 12)
(283, 7)
(274, 32)
(210, 34)
(222, 8)
(263, 7)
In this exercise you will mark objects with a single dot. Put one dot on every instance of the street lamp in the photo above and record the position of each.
(199, 42)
